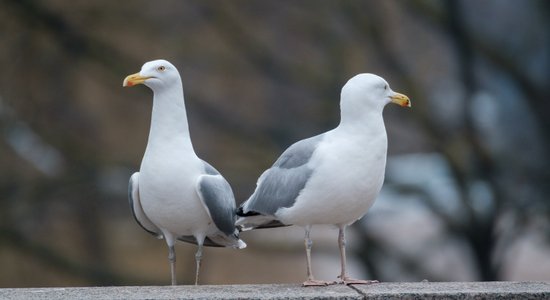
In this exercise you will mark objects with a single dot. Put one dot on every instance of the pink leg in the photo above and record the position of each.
(344, 278)
(311, 281)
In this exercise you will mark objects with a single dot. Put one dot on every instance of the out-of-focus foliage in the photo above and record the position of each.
(259, 75)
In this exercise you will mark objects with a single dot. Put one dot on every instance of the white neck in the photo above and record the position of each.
(169, 120)
(365, 121)
(368, 132)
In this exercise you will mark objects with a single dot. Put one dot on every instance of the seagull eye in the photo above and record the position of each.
(161, 68)
(385, 87)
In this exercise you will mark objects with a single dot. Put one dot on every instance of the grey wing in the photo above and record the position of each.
(218, 199)
(135, 205)
(280, 185)
(192, 240)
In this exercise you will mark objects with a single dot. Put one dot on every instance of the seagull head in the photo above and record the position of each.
(155, 74)
(370, 92)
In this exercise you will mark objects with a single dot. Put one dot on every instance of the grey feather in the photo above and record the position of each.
(209, 169)
(280, 185)
(192, 240)
(137, 211)
(217, 196)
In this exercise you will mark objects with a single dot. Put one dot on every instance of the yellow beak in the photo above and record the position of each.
(134, 79)
(400, 99)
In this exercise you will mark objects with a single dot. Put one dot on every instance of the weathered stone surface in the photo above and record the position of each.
(456, 290)
(417, 290)
(266, 291)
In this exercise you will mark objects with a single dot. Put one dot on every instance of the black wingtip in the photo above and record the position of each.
(240, 212)
(272, 224)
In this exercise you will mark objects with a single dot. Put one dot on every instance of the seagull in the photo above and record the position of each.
(332, 178)
(176, 195)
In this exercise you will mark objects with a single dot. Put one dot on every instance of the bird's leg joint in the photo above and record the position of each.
(309, 243)
(198, 255)
(172, 254)
(342, 238)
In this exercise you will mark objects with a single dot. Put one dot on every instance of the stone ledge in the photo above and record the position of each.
(417, 290)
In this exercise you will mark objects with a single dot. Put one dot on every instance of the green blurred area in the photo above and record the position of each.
(258, 76)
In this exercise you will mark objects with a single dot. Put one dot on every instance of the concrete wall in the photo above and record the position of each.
(420, 290)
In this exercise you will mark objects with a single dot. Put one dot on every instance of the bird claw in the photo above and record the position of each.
(350, 281)
(314, 282)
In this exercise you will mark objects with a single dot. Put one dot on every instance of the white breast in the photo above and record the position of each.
(347, 177)
(168, 193)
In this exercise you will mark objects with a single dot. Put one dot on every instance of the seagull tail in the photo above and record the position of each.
(241, 244)
(257, 222)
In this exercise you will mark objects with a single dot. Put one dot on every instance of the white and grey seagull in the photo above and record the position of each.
(176, 195)
(332, 178)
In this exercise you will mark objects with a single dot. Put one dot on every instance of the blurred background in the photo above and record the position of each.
(467, 183)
